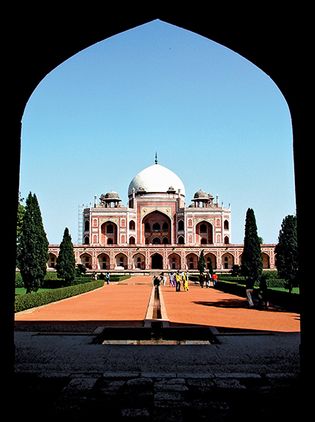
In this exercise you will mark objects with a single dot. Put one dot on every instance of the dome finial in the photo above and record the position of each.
(156, 159)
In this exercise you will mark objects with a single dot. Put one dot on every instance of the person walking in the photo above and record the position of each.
(107, 277)
(178, 280)
(249, 292)
(263, 293)
(202, 278)
(185, 282)
(156, 281)
(208, 279)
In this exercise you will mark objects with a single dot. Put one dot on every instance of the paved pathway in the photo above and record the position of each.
(211, 307)
(127, 302)
(124, 301)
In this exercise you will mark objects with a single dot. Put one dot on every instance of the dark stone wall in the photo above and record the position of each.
(34, 42)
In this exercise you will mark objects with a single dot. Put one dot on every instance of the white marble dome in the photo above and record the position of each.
(156, 179)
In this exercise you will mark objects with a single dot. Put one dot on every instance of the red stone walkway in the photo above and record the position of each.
(128, 301)
(211, 307)
(124, 301)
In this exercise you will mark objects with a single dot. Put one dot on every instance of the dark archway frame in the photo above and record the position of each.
(36, 44)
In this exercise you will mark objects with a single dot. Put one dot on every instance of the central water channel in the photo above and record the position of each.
(156, 330)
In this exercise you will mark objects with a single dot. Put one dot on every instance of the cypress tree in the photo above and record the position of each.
(20, 216)
(19, 224)
(33, 246)
(286, 251)
(251, 258)
(201, 262)
(210, 268)
(66, 260)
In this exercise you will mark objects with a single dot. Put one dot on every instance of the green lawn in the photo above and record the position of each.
(295, 290)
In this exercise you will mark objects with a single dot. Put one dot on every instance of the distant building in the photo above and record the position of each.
(157, 230)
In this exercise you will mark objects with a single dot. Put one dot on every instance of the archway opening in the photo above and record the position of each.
(121, 261)
(103, 261)
(174, 261)
(204, 233)
(154, 232)
(157, 262)
(109, 233)
(86, 260)
(139, 261)
(52, 260)
(156, 228)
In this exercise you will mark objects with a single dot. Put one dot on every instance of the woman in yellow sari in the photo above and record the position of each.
(185, 281)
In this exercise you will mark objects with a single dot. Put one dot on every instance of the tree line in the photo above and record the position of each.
(32, 249)
(286, 252)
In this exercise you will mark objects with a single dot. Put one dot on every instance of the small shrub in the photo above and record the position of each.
(51, 275)
(194, 277)
(18, 280)
(117, 277)
(55, 283)
(80, 269)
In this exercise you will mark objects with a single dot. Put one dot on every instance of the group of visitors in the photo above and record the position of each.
(176, 279)
(180, 279)
(208, 279)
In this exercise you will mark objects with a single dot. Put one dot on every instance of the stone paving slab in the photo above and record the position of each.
(155, 398)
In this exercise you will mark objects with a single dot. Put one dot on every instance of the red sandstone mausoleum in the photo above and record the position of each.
(157, 231)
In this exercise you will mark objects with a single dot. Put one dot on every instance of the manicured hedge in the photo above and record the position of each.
(32, 300)
(117, 277)
(194, 277)
(51, 280)
(55, 283)
(271, 277)
(113, 277)
(232, 278)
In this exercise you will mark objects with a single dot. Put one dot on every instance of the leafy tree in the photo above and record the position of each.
(65, 264)
(286, 251)
(201, 262)
(32, 253)
(251, 258)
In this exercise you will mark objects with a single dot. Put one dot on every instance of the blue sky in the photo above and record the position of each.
(214, 118)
